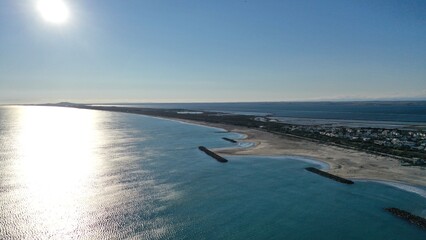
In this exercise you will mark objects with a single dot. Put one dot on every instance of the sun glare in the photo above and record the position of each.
(53, 11)
(56, 162)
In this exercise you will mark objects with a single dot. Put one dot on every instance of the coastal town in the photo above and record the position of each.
(400, 142)
(384, 137)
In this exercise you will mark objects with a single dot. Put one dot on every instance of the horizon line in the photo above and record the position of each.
(219, 102)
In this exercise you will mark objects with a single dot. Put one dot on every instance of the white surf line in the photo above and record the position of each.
(421, 191)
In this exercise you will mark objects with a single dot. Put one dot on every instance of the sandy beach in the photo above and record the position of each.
(347, 163)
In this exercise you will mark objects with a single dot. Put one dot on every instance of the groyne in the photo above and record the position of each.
(328, 175)
(416, 220)
(229, 140)
(212, 154)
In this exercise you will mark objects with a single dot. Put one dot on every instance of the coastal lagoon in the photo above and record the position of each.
(72, 173)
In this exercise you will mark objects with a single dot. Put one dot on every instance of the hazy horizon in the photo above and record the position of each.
(361, 101)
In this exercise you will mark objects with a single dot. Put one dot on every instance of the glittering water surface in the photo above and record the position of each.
(81, 174)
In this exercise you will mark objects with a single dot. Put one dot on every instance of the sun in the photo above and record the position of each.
(53, 11)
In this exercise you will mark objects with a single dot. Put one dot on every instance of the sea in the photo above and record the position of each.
(408, 112)
(83, 174)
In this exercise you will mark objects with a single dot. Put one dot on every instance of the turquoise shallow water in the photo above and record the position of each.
(69, 173)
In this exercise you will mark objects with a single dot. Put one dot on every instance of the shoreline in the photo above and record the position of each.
(347, 163)
(344, 162)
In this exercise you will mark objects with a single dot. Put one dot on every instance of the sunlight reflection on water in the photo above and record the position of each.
(78, 174)
(55, 165)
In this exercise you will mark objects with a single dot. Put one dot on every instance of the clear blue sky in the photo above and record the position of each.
(179, 51)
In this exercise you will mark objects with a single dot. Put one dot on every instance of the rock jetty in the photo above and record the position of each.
(419, 221)
(328, 175)
(212, 154)
(229, 140)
